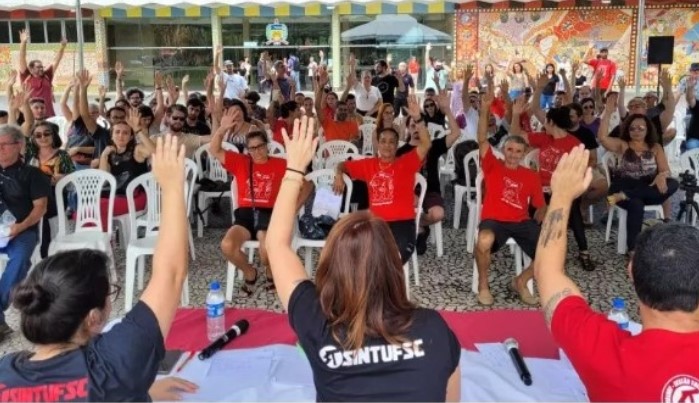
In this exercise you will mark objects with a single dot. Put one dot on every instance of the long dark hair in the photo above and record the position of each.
(59, 293)
(56, 141)
(360, 282)
(651, 138)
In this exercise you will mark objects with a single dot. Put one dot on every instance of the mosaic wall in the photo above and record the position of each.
(540, 37)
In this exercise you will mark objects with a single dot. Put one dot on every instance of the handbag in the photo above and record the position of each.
(316, 228)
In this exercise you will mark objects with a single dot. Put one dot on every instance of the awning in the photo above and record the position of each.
(395, 28)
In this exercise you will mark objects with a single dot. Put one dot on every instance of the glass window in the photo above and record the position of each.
(36, 32)
(4, 31)
(88, 30)
(17, 26)
(54, 31)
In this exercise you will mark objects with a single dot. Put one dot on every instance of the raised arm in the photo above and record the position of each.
(464, 92)
(588, 54)
(425, 143)
(486, 102)
(535, 104)
(65, 109)
(184, 87)
(518, 108)
(23, 39)
(454, 131)
(84, 79)
(621, 101)
(59, 54)
(145, 146)
(320, 95)
(228, 120)
(102, 90)
(119, 70)
(612, 144)
(568, 98)
(668, 100)
(285, 264)
(170, 261)
(159, 111)
(428, 63)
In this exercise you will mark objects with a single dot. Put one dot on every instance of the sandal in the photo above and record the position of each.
(523, 293)
(248, 286)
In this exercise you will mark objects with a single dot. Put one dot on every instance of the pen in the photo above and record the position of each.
(189, 358)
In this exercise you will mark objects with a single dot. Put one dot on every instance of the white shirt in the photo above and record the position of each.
(470, 132)
(235, 85)
(366, 100)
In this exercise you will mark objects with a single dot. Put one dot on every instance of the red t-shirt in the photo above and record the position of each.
(391, 186)
(347, 130)
(508, 191)
(605, 69)
(280, 124)
(328, 113)
(498, 108)
(656, 365)
(42, 87)
(550, 152)
(266, 179)
(413, 67)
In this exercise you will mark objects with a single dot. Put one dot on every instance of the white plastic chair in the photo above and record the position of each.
(521, 259)
(422, 182)
(436, 131)
(88, 184)
(332, 161)
(367, 130)
(368, 120)
(531, 160)
(138, 248)
(609, 161)
(63, 126)
(232, 272)
(465, 190)
(330, 148)
(276, 149)
(447, 172)
(320, 178)
(210, 168)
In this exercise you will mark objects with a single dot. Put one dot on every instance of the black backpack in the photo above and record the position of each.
(460, 151)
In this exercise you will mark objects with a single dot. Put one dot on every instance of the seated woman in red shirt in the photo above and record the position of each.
(552, 144)
(257, 177)
(126, 160)
(358, 305)
(391, 180)
(289, 111)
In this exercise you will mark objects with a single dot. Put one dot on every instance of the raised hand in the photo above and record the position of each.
(158, 79)
(168, 163)
(119, 69)
(221, 84)
(468, 74)
(443, 101)
(488, 98)
(209, 80)
(520, 105)
(622, 83)
(572, 176)
(665, 79)
(352, 61)
(185, 80)
(323, 76)
(219, 50)
(133, 119)
(23, 36)
(64, 42)
(428, 47)
(504, 87)
(101, 90)
(11, 79)
(301, 147)
(611, 103)
(84, 78)
(230, 118)
(413, 107)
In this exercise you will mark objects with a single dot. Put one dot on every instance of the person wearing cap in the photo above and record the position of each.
(604, 69)
(236, 85)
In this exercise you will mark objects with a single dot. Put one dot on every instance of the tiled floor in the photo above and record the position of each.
(445, 281)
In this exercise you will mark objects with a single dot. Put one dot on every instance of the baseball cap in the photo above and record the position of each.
(694, 67)
(227, 62)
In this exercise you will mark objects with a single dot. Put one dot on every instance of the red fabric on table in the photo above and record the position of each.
(188, 331)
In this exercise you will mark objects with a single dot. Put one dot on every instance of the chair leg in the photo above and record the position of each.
(141, 262)
(131, 262)
(406, 274)
(230, 280)
(416, 268)
(200, 223)
(474, 278)
(458, 202)
(184, 300)
(591, 213)
(621, 233)
(526, 262)
(308, 259)
(192, 251)
(610, 218)
(438, 238)
(471, 230)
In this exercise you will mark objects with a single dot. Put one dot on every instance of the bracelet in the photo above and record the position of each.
(295, 180)
(296, 171)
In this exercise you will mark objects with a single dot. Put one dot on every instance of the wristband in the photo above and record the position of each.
(296, 171)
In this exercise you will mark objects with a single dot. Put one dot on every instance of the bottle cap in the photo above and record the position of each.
(618, 303)
(215, 286)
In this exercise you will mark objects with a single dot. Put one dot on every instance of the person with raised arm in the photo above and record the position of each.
(67, 299)
(40, 80)
(660, 361)
(361, 263)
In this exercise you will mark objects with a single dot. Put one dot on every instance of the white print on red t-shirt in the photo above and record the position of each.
(263, 187)
(335, 358)
(511, 193)
(548, 159)
(681, 389)
(382, 188)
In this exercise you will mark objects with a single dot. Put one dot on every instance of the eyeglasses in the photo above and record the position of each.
(637, 128)
(5, 145)
(114, 291)
(182, 118)
(41, 135)
(258, 147)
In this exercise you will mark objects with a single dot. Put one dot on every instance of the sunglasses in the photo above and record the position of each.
(181, 118)
(258, 147)
(41, 135)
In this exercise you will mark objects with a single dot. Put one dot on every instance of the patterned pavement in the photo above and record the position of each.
(445, 282)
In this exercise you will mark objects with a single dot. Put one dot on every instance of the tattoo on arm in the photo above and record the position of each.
(554, 227)
(553, 303)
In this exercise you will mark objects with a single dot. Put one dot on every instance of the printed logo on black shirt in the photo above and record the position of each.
(54, 392)
(335, 358)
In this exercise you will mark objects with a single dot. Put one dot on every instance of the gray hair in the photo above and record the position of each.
(515, 139)
(12, 130)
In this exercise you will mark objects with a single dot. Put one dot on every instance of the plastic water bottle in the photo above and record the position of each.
(215, 319)
(6, 221)
(618, 313)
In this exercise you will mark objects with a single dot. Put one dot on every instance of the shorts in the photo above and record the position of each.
(244, 217)
(525, 233)
(432, 199)
(405, 236)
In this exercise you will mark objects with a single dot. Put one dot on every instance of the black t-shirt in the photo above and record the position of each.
(408, 84)
(119, 365)
(387, 86)
(438, 118)
(200, 128)
(550, 87)
(416, 370)
(616, 131)
(20, 185)
(430, 169)
(586, 137)
(101, 140)
(693, 128)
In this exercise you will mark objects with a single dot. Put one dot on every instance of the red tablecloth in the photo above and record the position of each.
(528, 327)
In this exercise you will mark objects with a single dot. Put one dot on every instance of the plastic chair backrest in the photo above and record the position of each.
(531, 160)
(367, 130)
(212, 167)
(609, 161)
(276, 148)
(479, 194)
(689, 161)
(326, 178)
(88, 184)
(475, 157)
(422, 182)
(332, 161)
(151, 219)
(336, 147)
(368, 120)
(63, 126)
(435, 130)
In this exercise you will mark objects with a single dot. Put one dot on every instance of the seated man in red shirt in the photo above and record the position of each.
(660, 363)
(341, 127)
(40, 80)
(509, 189)
(391, 180)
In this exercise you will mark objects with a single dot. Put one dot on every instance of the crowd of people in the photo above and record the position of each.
(358, 298)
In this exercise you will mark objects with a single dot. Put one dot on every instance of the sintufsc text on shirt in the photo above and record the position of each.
(335, 358)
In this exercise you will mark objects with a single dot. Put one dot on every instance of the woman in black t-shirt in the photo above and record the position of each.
(364, 339)
(67, 299)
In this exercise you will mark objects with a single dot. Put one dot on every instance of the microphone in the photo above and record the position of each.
(512, 348)
(239, 328)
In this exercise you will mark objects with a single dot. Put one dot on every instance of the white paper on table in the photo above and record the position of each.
(195, 370)
(291, 367)
(495, 354)
(326, 202)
